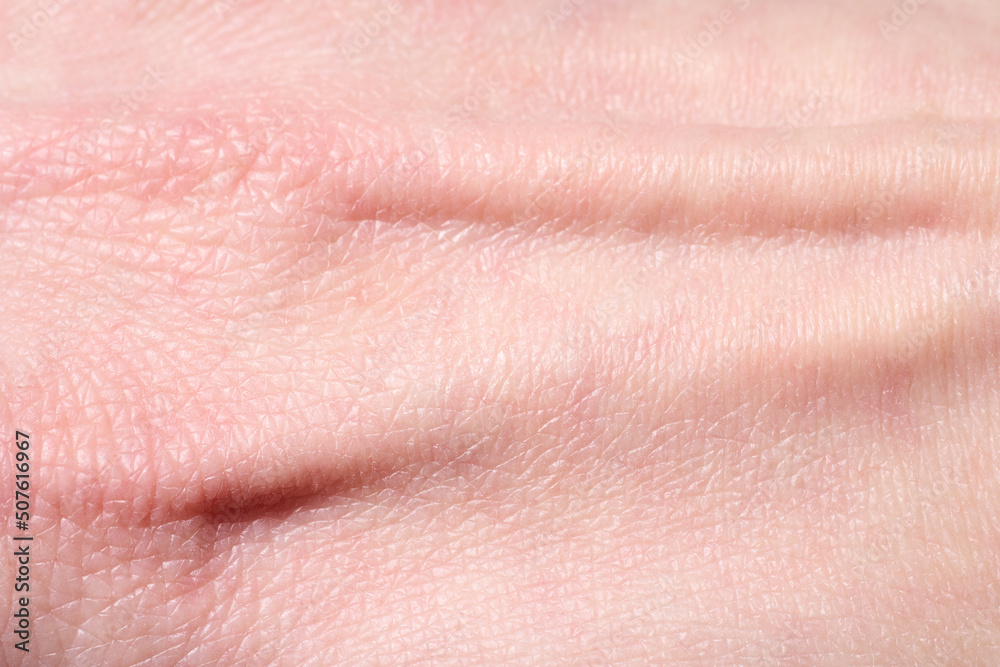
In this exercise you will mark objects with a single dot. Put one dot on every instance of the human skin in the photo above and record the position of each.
(510, 336)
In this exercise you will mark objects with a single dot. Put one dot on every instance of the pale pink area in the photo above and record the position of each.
(458, 353)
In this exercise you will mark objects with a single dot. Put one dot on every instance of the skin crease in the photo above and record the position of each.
(519, 334)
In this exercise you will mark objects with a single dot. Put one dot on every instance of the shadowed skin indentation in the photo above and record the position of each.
(692, 183)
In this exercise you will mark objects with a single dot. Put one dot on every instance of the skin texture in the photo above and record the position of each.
(518, 334)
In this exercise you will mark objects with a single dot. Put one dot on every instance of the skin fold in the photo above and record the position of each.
(495, 333)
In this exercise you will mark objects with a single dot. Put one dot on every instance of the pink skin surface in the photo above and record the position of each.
(510, 333)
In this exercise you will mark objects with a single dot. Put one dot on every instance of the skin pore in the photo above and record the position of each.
(503, 333)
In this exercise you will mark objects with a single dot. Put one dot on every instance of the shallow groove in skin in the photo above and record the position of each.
(694, 183)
